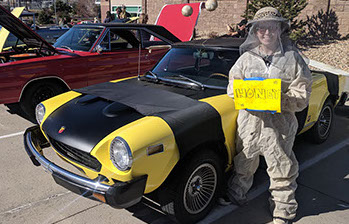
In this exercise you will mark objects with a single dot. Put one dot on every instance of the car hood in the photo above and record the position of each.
(105, 107)
(4, 33)
(22, 31)
(86, 120)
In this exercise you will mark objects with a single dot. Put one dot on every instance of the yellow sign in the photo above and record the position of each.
(258, 94)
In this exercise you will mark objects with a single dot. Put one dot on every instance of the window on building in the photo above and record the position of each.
(134, 10)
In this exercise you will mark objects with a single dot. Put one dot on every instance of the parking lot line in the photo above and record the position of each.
(323, 155)
(31, 204)
(12, 135)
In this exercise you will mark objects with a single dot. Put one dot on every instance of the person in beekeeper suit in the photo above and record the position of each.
(268, 53)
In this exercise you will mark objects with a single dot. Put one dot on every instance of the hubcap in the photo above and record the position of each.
(200, 188)
(325, 121)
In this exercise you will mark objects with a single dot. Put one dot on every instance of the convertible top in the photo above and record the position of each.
(217, 43)
(160, 30)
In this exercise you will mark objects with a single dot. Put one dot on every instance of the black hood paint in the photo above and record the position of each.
(22, 31)
(144, 93)
(88, 119)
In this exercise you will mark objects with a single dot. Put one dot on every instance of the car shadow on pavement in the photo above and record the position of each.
(149, 212)
(14, 108)
(323, 188)
(313, 203)
(342, 111)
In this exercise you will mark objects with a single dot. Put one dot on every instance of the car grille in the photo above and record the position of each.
(76, 155)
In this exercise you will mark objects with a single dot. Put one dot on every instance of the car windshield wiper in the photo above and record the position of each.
(66, 47)
(192, 81)
(153, 75)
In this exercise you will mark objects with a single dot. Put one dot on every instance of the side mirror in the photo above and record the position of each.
(99, 49)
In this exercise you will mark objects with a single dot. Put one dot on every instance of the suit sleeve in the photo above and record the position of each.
(297, 96)
(235, 73)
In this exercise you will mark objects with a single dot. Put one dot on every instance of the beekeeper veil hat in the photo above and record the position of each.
(270, 25)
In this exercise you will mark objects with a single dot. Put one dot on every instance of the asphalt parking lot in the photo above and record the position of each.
(29, 195)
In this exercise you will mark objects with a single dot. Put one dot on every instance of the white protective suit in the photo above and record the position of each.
(266, 134)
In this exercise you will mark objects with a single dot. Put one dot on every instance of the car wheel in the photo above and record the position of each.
(37, 93)
(321, 129)
(192, 192)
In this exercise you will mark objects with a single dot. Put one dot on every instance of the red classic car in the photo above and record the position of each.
(33, 70)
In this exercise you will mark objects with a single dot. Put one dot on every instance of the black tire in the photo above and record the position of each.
(321, 129)
(38, 92)
(190, 194)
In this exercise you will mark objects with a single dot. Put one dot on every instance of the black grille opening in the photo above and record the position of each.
(76, 155)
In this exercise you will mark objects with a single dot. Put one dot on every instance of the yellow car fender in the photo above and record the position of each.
(140, 135)
(317, 99)
(55, 102)
(225, 107)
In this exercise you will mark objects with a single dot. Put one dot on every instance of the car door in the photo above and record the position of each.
(117, 55)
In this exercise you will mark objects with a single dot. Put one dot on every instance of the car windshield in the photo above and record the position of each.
(203, 67)
(79, 38)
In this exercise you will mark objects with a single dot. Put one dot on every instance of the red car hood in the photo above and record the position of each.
(22, 31)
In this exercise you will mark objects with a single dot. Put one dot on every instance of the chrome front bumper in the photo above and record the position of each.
(119, 195)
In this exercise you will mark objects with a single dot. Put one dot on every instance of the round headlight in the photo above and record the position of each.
(39, 113)
(120, 154)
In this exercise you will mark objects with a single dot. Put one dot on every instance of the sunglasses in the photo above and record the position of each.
(263, 29)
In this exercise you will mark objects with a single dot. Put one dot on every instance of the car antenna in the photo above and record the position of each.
(139, 60)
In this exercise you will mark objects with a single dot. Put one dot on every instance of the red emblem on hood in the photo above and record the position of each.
(61, 129)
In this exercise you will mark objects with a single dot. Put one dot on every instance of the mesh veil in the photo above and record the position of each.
(283, 43)
(252, 40)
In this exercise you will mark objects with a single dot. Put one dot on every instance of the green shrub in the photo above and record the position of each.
(322, 27)
(63, 10)
(45, 16)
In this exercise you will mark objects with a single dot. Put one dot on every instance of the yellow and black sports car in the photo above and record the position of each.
(169, 132)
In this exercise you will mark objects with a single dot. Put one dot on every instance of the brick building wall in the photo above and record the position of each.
(230, 11)
(104, 8)
(107, 5)
(341, 7)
